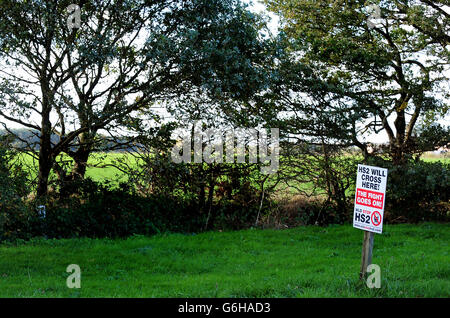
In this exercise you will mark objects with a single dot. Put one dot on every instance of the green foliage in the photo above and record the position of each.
(416, 191)
(14, 215)
(359, 73)
(161, 196)
(336, 179)
(419, 191)
(102, 210)
(325, 174)
(431, 137)
(117, 212)
(228, 195)
(125, 57)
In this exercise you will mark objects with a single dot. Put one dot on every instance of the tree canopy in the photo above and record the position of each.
(123, 58)
(385, 63)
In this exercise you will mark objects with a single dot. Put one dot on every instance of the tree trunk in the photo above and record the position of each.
(397, 150)
(69, 181)
(80, 157)
(45, 166)
(80, 164)
(45, 151)
(398, 157)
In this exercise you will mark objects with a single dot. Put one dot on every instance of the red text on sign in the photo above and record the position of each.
(369, 198)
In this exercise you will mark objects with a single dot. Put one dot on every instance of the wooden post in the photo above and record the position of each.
(366, 255)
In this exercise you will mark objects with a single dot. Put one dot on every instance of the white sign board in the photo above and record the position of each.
(370, 198)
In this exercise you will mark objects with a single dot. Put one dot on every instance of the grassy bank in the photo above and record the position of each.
(299, 262)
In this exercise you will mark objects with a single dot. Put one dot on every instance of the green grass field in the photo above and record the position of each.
(101, 168)
(300, 262)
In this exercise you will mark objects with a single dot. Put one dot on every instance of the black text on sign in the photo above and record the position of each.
(370, 198)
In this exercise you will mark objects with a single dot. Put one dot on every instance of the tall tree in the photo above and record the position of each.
(385, 63)
(123, 57)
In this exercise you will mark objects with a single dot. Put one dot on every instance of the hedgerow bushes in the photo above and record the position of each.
(117, 212)
(416, 191)
(15, 216)
(101, 210)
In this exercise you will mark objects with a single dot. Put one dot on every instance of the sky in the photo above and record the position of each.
(259, 7)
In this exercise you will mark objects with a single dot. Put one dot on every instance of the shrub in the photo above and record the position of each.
(326, 174)
(15, 217)
(118, 212)
(417, 191)
(105, 211)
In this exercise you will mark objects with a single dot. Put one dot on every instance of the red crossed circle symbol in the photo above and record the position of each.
(376, 218)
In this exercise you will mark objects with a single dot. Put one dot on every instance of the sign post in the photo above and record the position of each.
(369, 208)
(366, 255)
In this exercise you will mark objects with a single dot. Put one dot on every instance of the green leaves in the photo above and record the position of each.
(384, 68)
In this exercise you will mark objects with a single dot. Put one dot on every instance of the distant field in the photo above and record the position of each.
(306, 261)
(94, 170)
(432, 159)
(114, 175)
(431, 156)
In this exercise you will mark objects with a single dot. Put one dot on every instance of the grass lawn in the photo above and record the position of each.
(100, 167)
(300, 262)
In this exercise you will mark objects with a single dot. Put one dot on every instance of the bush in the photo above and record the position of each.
(325, 173)
(117, 212)
(15, 217)
(120, 212)
(225, 195)
(100, 210)
(416, 191)
(419, 191)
